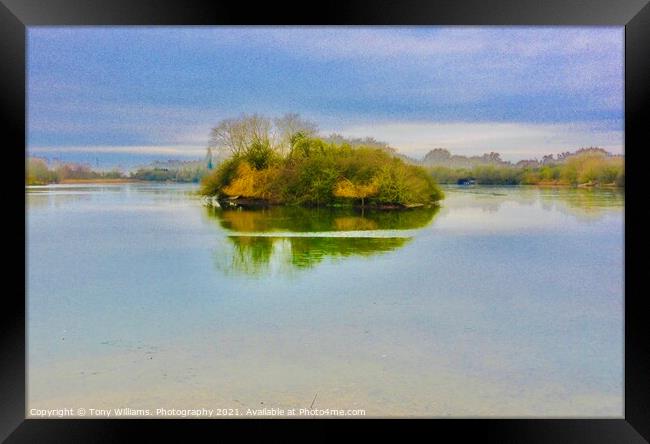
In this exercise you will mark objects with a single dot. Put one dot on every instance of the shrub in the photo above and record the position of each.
(587, 166)
(315, 172)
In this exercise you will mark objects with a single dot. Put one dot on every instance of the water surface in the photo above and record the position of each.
(506, 301)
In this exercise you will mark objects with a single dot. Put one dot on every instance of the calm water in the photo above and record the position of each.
(503, 302)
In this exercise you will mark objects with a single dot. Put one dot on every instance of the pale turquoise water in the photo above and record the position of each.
(505, 302)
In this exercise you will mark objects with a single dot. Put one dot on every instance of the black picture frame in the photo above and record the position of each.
(634, 15)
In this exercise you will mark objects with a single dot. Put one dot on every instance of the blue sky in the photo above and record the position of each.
(156, 91)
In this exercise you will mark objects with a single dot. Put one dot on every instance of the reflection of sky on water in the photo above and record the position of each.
(480, 209)
(507, 302)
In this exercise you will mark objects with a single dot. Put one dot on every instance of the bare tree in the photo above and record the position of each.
(291, 124)
(236, 135)
(228, 136)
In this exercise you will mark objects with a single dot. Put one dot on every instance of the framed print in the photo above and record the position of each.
(384, 215)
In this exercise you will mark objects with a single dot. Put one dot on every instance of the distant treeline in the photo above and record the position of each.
(282, 161)
(38, 172)
(172, 171)
(587, 166)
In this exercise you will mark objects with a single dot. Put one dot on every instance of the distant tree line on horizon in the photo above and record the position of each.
(586, 166)
(172, 171)
(39, 172)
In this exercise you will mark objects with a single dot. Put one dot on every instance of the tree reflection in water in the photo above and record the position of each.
(284, 239)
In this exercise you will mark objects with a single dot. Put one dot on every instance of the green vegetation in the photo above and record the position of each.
(484, 174)
(254, 255)
(174, 172)
(272, 164)
(37, 172)
(586, 167)
(304, 220)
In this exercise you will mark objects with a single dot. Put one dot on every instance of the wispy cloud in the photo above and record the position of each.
(508, 89)
(386, 42)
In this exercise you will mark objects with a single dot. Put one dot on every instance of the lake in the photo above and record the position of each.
(503, 302)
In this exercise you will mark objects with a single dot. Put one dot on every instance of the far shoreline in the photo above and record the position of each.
(86, 182)
(91, 181)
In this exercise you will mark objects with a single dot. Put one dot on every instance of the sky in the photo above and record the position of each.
(116, 93)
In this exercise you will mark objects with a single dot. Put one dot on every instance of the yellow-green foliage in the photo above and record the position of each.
(211, 184)
(315, 172)
(250, 182)
(37, 172)
(347, 188)
(599, 170)
(591, 167)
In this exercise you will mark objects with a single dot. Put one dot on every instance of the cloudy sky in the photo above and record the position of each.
(156, 91)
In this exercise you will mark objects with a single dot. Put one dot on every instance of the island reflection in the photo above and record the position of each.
(284, 239)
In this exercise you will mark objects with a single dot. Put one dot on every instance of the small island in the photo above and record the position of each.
(282, 162)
